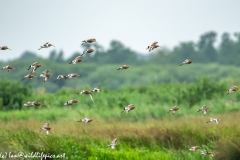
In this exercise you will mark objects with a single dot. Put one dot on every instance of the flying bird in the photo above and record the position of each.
(88, 41)
(45, 128)
(128, 108)
(72, 75)
(77, 60)
(34, 66)
(70, 102)
(194, 148)
(204, 108)
(96, 90)
(28, 104)
(123, 67)
(173, 109)
(187, 61)
(87, 51)
(45, 74)
(85, 120)
(204, 152)
(213, 120)
(8, 67)
(46, 45)
(232, 89)
(113, 143)
(29, 76)
(4, 48)
(87, 93)
(153, 46)
(60, 77)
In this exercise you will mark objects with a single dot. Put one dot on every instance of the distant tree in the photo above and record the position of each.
(12, 94)
(53, 55)
(118, 53)
(28, 55)
(227, 55)
(206, 50)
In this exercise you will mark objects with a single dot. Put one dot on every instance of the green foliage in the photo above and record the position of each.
(12, 94)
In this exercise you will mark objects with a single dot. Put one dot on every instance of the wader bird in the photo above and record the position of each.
(88, 41)
(4, 48)
(232, 89)
(87, 93)
(128, 108)
(123, 67)
(46, 128)
(113, 144)
(173, 109)
(8, 68)
(187, 61)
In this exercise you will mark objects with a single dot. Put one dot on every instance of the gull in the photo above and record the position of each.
(232, 89)
(77, 60)
(85, 120)
(204, 108)
(4, 48)
(87, 93)
(213, 120)
(34, 66)
(88, 41)
(46, 128)
(113, 143)
(60, 77)
(173, 109)
(87, 51)
(128, 108)
(8, 67)
(187, 61)
(123, 67)
(204, 152)
(29, 76)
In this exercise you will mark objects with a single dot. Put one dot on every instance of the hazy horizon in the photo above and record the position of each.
(27, 25)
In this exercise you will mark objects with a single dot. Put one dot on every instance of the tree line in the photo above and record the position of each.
(205, 50)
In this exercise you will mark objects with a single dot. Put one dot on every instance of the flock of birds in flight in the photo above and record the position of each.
(45, 75)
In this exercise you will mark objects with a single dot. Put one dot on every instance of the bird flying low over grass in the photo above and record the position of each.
(173, 109)
(113, 143)
(72, 75)
(8, 67)
(204, 108)
(153, 46)
(60, 77)
(70, 102)
(35, 103)
(123, 67)
(45, 74)
(232, 89)
(87, 51)
(187, 61)
(96, 90)
(213, 120)
(34, 66)
(88, 41)
(87, 93)
(46, 128)
(194, 148)
(29, 76)
(4, 48)
(77, 60)
(128, 108)
(206, 153)
(46, 45)
(85, 120)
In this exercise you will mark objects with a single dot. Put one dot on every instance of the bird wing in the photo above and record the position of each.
(91, 97)
(47, 132)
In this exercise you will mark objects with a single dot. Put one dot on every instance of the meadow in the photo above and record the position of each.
(148, 132)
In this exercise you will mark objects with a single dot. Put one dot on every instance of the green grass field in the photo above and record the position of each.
(147, 132)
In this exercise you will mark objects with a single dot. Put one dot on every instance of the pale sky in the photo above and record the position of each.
(27, 24)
